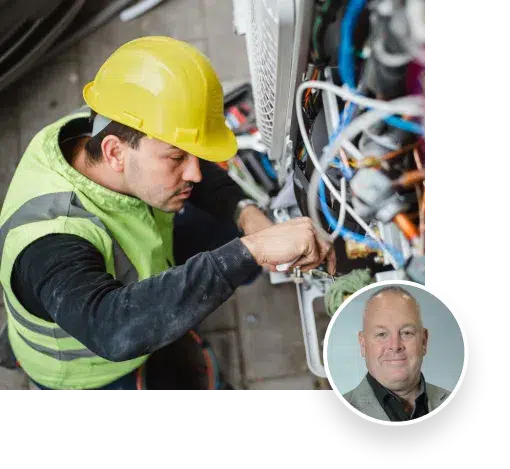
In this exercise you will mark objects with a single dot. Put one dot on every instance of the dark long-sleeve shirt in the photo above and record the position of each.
(63, 278)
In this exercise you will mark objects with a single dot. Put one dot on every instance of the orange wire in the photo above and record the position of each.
(410, 178)
(417, 159)
(422, 229)
(406, 225)
(309, 90)
(394, 154)
(423, 206)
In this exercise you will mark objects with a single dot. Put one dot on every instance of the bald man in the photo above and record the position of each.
(393, 342)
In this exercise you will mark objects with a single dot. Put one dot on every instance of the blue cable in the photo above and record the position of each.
(348, 234)
(346, 62)
(346, 69)
(408, 126)
(268, 167)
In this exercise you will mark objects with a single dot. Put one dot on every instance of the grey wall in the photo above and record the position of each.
(442, 365)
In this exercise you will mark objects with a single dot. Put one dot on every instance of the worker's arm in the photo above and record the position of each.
(64, 277)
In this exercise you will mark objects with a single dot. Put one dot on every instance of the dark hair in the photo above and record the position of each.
(123, 132)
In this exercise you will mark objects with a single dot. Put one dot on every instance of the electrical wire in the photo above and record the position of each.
(341, 137)
(348, 234)
(318, 27)
(414, 107)
(329, 152)
(307, 95)
(409, 105)
(314, 183)
(419, 196)
(350, 148)
(341, 215)
(346, 62)
(394, 154)
(417, 160)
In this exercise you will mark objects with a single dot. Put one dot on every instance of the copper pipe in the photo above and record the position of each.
(410, 178)
(417, 159)
(401, 151)
(419, 198)
(406, 226)
(423, 210)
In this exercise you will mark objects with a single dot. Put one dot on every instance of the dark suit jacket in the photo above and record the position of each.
(363, 399)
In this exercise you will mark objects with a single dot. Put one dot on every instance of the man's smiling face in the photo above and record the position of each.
(393, 340)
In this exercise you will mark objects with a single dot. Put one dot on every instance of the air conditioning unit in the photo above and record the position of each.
(339, 96)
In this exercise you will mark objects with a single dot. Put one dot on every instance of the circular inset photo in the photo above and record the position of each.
(394, 353)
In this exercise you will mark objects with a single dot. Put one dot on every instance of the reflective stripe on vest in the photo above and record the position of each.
(66, 204)
(56, 332)
(62, 355)
(49, 207)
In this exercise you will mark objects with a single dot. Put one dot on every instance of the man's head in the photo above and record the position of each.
(393, 340)
(156, 172)
(167, 90)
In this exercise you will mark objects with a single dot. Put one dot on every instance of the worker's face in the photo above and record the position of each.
(160, 174)
(393, 341)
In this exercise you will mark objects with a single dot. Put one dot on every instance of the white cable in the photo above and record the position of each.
(412, 105)
(364, 121)
(415, 11)
(313, 189)
(352, 151)
(351, 130)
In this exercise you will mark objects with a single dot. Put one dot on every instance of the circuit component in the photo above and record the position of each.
(355, 250)
(375, 196)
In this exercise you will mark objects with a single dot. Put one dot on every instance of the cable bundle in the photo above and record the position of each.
(361, 113)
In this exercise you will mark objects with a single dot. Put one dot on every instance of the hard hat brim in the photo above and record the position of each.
(221, 146)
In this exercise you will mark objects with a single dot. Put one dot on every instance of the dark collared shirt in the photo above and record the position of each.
(394, 407)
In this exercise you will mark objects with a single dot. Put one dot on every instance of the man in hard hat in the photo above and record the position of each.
(91, 284)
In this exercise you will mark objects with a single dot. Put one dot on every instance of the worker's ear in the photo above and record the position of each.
(114, 152)
(361, 340)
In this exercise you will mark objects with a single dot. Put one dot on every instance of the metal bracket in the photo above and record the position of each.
(308, 290)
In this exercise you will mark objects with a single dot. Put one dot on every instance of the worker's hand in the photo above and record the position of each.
(294, 239)
(252, 219)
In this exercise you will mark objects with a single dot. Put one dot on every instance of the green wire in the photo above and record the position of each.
(318, 21)
(325, 7)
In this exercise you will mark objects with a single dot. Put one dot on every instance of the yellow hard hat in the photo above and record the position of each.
(168, 90)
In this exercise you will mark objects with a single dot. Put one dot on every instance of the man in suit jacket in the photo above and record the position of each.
(393, 342)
